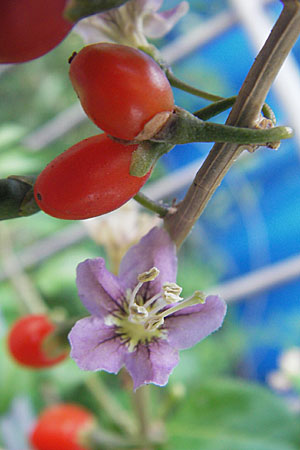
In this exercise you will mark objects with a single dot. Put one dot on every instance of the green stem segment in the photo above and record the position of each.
(99, 438)
(243, 114)
(107, 402)
(141, 403)
(183, 127)
(176, 82)
(152, 205)
(219, 106)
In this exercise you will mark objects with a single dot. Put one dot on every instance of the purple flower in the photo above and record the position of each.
(138, 319)
(131, 23)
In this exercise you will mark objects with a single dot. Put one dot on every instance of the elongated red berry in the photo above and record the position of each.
(87, 180)
(120, 88)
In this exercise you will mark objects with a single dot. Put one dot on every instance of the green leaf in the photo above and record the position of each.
(14, 379)
(10, 133)
(233, 415)
(78, 9)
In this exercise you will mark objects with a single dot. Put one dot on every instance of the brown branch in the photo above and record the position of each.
(245, 113)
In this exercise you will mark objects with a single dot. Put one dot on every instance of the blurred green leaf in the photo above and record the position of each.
(230, 414)
(10, 133)
(78, 9)
(14, 379)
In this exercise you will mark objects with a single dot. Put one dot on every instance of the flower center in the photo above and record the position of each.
(143, 320)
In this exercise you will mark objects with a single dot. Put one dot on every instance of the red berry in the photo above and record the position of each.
(120, 88)
(87, 180)
(25, 341)
(30, 28)
(58, 427)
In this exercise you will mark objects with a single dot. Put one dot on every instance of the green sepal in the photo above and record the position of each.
(56, 343)
(16, 197)
(145, 157)
(78, 9)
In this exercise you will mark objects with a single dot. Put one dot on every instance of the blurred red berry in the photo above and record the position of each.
(30, 28)
(25, 340)
(58, 427)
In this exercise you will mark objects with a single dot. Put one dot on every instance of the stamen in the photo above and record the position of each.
(152, 300)
(195, 299)
(153, 323)
(172, 288)
(160, 304)
(134, 292)
(170, 298)
(139, 311)
(150, 275)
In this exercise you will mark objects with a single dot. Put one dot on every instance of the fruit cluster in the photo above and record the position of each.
(121, 89)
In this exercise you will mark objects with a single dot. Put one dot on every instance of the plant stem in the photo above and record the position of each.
(183, 127)
(152, 205)
(140, 400)
(99, 438)
(114, 410)
(219, 106)
(244, 113)
(176, 82)
(215, 108)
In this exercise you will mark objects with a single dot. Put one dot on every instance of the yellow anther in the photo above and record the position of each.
(200, 296)
(150, 275)
(139, 311)
(171, 293)
(172, 288)
(153, 323)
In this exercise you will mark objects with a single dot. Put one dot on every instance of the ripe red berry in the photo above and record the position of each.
(120, 88)
(30, 28)
(87, 180)
(58, 427)
(25, 340)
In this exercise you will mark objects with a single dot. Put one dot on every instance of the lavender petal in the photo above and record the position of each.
(100, 291)
(155, 249)
(95, 346)
(190, 325)
(152, 363)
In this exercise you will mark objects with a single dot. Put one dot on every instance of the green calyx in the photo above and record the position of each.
(146, 155)
(183, 127)
(16, 197)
